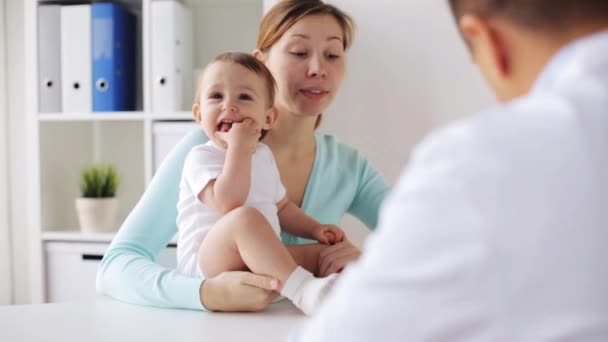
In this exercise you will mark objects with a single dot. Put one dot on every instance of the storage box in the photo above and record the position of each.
(166, 134)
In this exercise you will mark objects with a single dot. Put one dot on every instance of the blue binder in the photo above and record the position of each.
(113, 58)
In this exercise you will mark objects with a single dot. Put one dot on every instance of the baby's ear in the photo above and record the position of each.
(196, 112)
(271, 117)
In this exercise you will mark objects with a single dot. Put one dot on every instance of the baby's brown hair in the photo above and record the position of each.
(249, 62)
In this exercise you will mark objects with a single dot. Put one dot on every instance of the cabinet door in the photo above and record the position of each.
(71, 268)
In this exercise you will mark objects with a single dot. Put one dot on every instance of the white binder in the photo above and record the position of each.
(76, 58)
(49, 58)
(171, 57)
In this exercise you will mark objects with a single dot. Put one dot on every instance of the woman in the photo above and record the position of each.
(303, 44)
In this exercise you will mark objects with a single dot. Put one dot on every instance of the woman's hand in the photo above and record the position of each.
(334, 258)
(238, 291)
(328, 234)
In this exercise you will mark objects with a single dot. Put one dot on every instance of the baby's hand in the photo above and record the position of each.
(242, 135)
(328, 234)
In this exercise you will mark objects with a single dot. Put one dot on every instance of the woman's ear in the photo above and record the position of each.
(271, 117)
(196, 112)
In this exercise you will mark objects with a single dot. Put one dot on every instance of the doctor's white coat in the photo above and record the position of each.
(498, 228)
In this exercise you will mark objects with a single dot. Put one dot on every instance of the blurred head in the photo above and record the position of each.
(234, 86)
(512, 40)
(303, 43)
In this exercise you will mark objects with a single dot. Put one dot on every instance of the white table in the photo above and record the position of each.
(109, 320)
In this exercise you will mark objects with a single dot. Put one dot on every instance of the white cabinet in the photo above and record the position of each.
(59, 145)
(71, 268)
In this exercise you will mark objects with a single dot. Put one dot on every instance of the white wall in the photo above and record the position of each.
(5, 247)
(407, 73)
(21, 238)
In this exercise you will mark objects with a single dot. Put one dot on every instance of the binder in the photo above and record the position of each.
(113, 53)
(76, 58)
(171, 56)
(49, 58)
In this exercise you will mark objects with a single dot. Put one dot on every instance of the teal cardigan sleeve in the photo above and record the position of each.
(372, 189)
(128, 271)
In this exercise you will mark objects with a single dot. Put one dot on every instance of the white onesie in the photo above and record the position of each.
(194, 219)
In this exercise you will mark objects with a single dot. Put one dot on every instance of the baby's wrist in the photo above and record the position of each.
(316, 229)
(240, 149)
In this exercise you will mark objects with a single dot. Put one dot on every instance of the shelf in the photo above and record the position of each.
(220, 2)
(183, 115)
(78, 236)
(96, 116)
(75, 235)
(61, 143)
(114, 116)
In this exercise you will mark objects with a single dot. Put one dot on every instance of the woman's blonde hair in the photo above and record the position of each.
(282, 16)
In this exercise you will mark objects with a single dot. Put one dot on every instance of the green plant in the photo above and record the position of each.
(99, 181)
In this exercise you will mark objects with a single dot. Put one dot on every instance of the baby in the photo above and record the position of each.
(232, 204)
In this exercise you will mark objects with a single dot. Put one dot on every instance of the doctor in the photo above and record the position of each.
(498, 228)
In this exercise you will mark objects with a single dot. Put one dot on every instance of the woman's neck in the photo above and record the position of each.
(292, 135)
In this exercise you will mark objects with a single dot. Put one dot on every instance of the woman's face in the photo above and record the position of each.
(308, 65)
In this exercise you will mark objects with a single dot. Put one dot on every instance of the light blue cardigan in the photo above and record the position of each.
(341, 181)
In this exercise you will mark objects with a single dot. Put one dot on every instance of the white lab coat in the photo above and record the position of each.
(498, 228)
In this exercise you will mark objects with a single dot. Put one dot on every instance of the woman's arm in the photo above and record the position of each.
(371, 191)
(128, 271)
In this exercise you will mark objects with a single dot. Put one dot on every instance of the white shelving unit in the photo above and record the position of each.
(59, 145)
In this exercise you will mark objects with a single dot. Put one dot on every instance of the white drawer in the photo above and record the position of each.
(71, 268)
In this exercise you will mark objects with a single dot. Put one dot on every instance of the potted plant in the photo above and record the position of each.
(97, 207)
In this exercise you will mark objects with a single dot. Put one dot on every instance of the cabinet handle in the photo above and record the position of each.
(92, 256)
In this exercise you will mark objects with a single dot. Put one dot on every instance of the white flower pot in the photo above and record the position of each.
(97, 215)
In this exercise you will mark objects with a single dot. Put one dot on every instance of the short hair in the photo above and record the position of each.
(546, 15)
(249, 62)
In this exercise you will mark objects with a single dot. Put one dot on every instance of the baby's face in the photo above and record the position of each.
(231, 93)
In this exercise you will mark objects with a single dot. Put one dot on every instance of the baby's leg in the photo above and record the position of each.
(244, 238)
